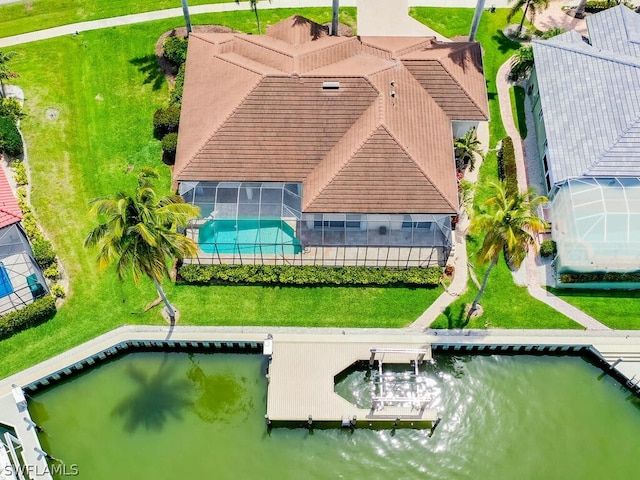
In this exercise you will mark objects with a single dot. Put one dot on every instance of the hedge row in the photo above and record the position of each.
(33, 314)
(507, 170)
(595, 6)
(175, 97)
(613, 277)
(309, 275)
(10, 139)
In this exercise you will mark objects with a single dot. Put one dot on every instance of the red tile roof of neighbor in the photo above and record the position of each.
(255, 109)
(10, 212)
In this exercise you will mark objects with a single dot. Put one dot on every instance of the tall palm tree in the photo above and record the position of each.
(521, 64)
(510, 221)
(532, 6)
(5, 73)
(139, 233)
(187, 17)
(466, 148)
(477, 14)
(254, 6)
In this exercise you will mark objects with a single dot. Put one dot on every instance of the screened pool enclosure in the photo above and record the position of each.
(596, 225)
(263, 222)
(21, 281)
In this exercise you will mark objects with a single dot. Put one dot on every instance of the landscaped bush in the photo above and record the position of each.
(58, 291)
(10, 139)
(33, 314)
(169, 145)
(309, 275)
(507, 170)
(31, 228)
(51, 272)
(21, 193)
(43, 252)
(548, 248)
(10, 107)
(166, 120)
(175, 49)
(175, 97)
(600, 277)
(20, 173)
(595, 6)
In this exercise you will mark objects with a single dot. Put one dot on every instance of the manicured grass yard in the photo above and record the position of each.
(29, 16)
(105, 86)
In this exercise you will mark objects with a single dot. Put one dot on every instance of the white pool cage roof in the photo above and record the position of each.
(596, 224)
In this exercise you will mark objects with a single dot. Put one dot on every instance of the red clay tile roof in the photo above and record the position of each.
(10, 212)
(254, 109)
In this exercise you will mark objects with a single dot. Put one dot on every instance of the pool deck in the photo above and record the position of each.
(620, 350)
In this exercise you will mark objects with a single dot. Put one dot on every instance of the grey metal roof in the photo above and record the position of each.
(590, 97)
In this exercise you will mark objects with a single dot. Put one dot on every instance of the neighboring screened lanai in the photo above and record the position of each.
(596, 225)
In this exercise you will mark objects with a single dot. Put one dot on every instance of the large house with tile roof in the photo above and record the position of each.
(301, 147)
(586, 101)
(21, 280)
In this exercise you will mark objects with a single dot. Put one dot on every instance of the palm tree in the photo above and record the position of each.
(254, 6)
(521, 64)
(532, 6)
(139, 232)
(187, 17)
(5, 73)
(510, 221)
(466, 148)
(477, 14)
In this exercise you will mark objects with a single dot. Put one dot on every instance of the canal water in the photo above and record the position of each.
(198, 416)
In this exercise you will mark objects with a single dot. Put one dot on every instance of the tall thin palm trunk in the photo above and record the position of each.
(474, 305)
(255, 10)
(524, 16)
(476, 20)
(187, 17)
(334, 17)
(170, 311)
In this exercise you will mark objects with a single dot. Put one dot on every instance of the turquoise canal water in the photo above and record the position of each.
(199, 416)
(251, 236)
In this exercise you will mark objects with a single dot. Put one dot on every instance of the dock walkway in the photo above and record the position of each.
(302, 373)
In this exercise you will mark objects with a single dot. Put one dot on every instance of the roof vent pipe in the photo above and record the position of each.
(330, 85)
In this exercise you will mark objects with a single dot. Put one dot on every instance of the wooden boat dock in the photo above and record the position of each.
(302, 375)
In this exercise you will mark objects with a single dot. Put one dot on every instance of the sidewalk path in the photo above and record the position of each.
(533, 280)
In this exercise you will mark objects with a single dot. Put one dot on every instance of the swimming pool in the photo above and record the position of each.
(6, 288)
(248, 235)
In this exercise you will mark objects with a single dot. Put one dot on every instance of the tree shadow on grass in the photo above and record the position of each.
(505, 45)
(455, 315)
(148, 65)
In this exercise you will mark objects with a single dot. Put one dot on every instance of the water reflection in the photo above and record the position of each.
(220, 397)
(156, 398)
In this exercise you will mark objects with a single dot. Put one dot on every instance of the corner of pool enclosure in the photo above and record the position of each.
(596, 225)
(21, 280)
(263, 223)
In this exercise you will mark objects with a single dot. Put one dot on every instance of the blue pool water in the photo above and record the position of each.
(5, 283)
(251, 236)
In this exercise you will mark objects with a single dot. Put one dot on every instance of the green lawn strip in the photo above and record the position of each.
(104, 86)
(29, 16)
(517, 96)
(505, 304)
(618, 309)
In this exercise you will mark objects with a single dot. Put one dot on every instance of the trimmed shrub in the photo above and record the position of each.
(43, 253)
(175, 97)
(10, 107)
(10, 139)
(21, 193)
(548, 248)
(51, 272)
(175, 49)
(166, 120)
(33, 314)
(507, 170)
(595, 6)
(613, 277)
(31, 228)
(20, 173)
(169, 145)
(58, 291)
(309, 275)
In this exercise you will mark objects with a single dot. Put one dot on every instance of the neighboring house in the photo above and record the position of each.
(21, 281)
(304, 148)
(586, 100)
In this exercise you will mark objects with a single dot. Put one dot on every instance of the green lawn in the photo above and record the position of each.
(517, 95)
(618, 309)
(105, 86)
(29, 16)
(505, 304)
